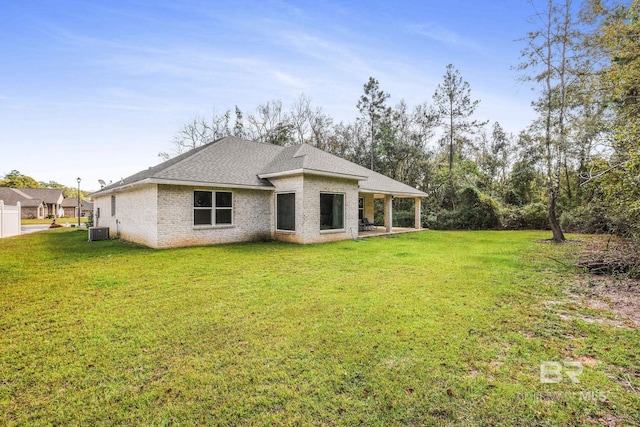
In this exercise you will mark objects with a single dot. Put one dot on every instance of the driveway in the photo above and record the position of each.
(33, 228)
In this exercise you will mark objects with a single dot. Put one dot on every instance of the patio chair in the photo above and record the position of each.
(368, 225)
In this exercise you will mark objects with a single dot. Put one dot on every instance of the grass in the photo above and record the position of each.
(62, 220)
(432, 328)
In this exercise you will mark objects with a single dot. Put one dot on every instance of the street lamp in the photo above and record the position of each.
(78, 201)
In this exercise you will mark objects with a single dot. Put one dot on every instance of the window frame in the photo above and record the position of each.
(344, 212)
(222, 208)
(213, 209)
(360, 208)
(113, 205)
(286, 193)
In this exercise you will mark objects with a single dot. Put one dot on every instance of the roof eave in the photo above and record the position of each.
(393, 193)
(187, 183)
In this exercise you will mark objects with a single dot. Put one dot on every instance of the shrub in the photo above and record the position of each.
(403, 218)
(533, 216)
(477, 211)
(586, 219)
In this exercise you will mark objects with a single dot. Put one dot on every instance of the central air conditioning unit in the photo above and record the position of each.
(98, 233)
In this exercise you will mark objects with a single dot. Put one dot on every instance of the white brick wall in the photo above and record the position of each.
(161, 216)
(289, 184)
(136, 214)
(251, 218)
(308, 189)
(313, 186)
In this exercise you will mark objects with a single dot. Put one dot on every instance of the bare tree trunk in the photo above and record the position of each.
(556, 230)
(553, 173)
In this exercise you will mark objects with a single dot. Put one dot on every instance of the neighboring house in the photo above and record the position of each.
(32, 207)
(52, 199)
(70, 207)
(234, 190)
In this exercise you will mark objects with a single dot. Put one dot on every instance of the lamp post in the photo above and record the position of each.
(78, 201)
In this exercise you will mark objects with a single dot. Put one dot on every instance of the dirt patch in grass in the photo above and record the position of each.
(597, 296)
(618, 295)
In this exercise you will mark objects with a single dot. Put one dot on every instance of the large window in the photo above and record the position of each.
(360, 208)
(212, 208)
(331, 211)
(286, 211)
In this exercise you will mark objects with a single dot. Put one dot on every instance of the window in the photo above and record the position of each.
(331, 211)
(224, 207)
(286, 212)
(202, 207)
(113, 205)
(206, 212)
(360, 208)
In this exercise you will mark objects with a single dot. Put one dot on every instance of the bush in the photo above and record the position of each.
(477, 211)
(587, 219)
(533, 216)
(403, 219)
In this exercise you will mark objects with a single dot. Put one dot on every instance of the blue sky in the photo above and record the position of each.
(96, 89)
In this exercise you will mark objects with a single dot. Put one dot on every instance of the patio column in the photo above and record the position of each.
(388, 212)
(418, 213)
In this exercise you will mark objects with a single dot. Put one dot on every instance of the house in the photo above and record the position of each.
(52, 199)
(234, 190)
(32, 207)
(36, 202)
(70, 207)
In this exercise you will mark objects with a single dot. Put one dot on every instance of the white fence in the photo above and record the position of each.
(9, 220)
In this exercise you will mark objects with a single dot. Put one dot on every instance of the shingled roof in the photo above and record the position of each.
(49, 195)
(234, 162)
(72, 202)
(11, 196)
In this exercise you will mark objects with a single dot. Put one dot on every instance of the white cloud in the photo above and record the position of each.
(289, 80)
(445, 36)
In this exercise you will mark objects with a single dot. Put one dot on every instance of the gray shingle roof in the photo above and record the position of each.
(11, 196)
(307, 158)
(49, 195)
(233, 161)
(72, 202)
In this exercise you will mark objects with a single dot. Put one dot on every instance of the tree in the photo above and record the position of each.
(618, 38)
(52, 184)
(199, 132)
(548, 55)
(494, 157)
(372, 105)
(270, 124)
(15, 179)
(403, 136)
(310, 124)
(455, 107)
(238, 127)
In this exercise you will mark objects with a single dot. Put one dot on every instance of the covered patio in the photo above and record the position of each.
(366, 214)
(381, 231)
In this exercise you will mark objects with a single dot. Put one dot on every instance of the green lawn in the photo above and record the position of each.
(431, 328)
(63, 220)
